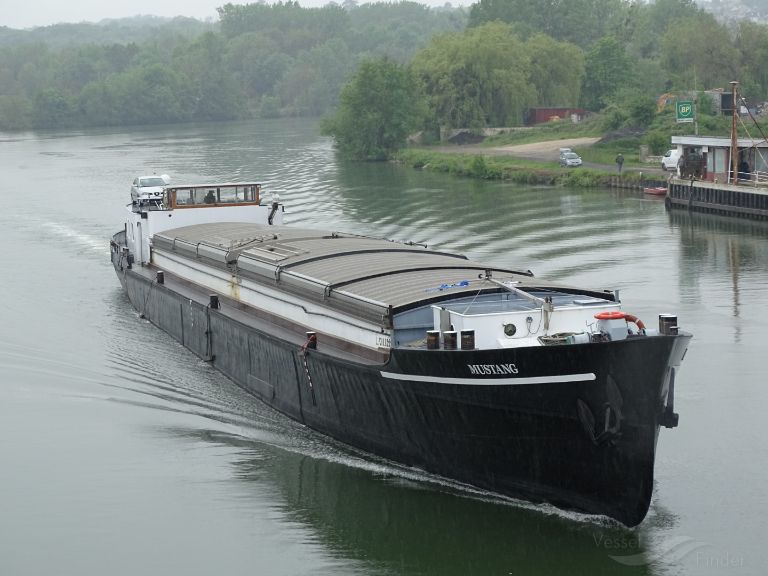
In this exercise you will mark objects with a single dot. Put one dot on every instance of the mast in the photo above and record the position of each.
(734, 137)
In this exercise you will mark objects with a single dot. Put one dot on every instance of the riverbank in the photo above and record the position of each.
(539, 150)
(523, 170)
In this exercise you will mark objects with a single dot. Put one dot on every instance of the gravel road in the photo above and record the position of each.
(548, 151)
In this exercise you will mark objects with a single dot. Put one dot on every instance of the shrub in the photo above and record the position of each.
(657, 141)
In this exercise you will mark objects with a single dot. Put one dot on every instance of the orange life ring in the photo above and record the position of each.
(612, 315)
(636, 320)
(619, 315)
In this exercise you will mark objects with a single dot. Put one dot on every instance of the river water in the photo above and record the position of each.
(121, 453)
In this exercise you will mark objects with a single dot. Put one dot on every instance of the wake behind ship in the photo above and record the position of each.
(483, 375)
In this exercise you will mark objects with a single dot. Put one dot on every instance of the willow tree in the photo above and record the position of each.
(378, 108)
(478, 78)
(557, 71)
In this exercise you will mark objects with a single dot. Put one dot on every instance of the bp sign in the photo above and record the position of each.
(685, 111)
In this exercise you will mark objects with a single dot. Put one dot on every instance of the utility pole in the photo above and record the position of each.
(695, 99)
(734, 136)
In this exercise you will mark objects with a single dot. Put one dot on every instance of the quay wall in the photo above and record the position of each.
(742, 201)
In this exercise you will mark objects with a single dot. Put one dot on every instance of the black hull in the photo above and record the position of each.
(533, 442)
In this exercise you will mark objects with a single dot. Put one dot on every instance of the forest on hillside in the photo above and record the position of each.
(473, 67)
(259, 59)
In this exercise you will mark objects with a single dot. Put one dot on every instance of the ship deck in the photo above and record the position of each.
(368, 277)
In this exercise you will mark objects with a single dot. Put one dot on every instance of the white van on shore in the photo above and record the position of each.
(670, 159)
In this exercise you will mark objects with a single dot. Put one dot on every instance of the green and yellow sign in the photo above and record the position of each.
(685, 111)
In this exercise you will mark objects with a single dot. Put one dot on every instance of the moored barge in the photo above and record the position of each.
(481, 374)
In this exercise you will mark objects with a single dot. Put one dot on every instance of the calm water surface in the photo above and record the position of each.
(122, 453)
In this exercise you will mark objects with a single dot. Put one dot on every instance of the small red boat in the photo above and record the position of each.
(656, 191)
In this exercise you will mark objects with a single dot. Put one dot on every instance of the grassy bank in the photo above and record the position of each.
(605, 152)
(508, 169)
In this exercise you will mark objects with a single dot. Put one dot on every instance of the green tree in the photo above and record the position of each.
(141, 95)
(581, 22)
(269, 107)
(312, 85)
(154, 93)
(698, 53)
(211, 85)
(476, 79)
(557, 71)
(398, 30)
(53, 109)
(273, 58)
(646, 24)
(378, 108)
(257, 63)
(98, 104)
(14, 112)
(752, 44)
(649, 77)
(292, 27)
(608, 69)
(640, 108)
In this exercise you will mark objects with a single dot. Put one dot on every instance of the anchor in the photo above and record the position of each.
(612, 416)
(669, 418)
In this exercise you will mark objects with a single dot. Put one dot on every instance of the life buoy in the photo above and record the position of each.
(612, 315)
(635, 320)
(619, 315)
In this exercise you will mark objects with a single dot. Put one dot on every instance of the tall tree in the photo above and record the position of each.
(257, 62)
(213, 88)
(53, 109)
(608, 69)
(752, 44)
(476, 79)
(378, 108)
(312, 85)
(698, 53)
(557, 71)
(581, 22)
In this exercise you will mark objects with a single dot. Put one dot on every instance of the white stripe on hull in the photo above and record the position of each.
(493, 381)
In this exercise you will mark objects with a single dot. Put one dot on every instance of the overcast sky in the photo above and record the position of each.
(30, 13)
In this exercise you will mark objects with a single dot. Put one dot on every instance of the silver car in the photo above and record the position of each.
(570, 160)
(149, 187)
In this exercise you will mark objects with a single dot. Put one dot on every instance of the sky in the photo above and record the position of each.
(31, 13)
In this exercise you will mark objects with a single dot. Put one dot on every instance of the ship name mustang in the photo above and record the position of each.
(489, 369)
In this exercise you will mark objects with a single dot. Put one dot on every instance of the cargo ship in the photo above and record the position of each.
(480, 374)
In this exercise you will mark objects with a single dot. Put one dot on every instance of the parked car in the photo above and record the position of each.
(570, 159)
(149, 187)
(670, 159)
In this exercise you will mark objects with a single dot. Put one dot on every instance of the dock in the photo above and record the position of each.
(747, 200)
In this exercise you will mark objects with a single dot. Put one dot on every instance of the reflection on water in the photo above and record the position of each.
(149, 444)
(399, 526)
(713, 245)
